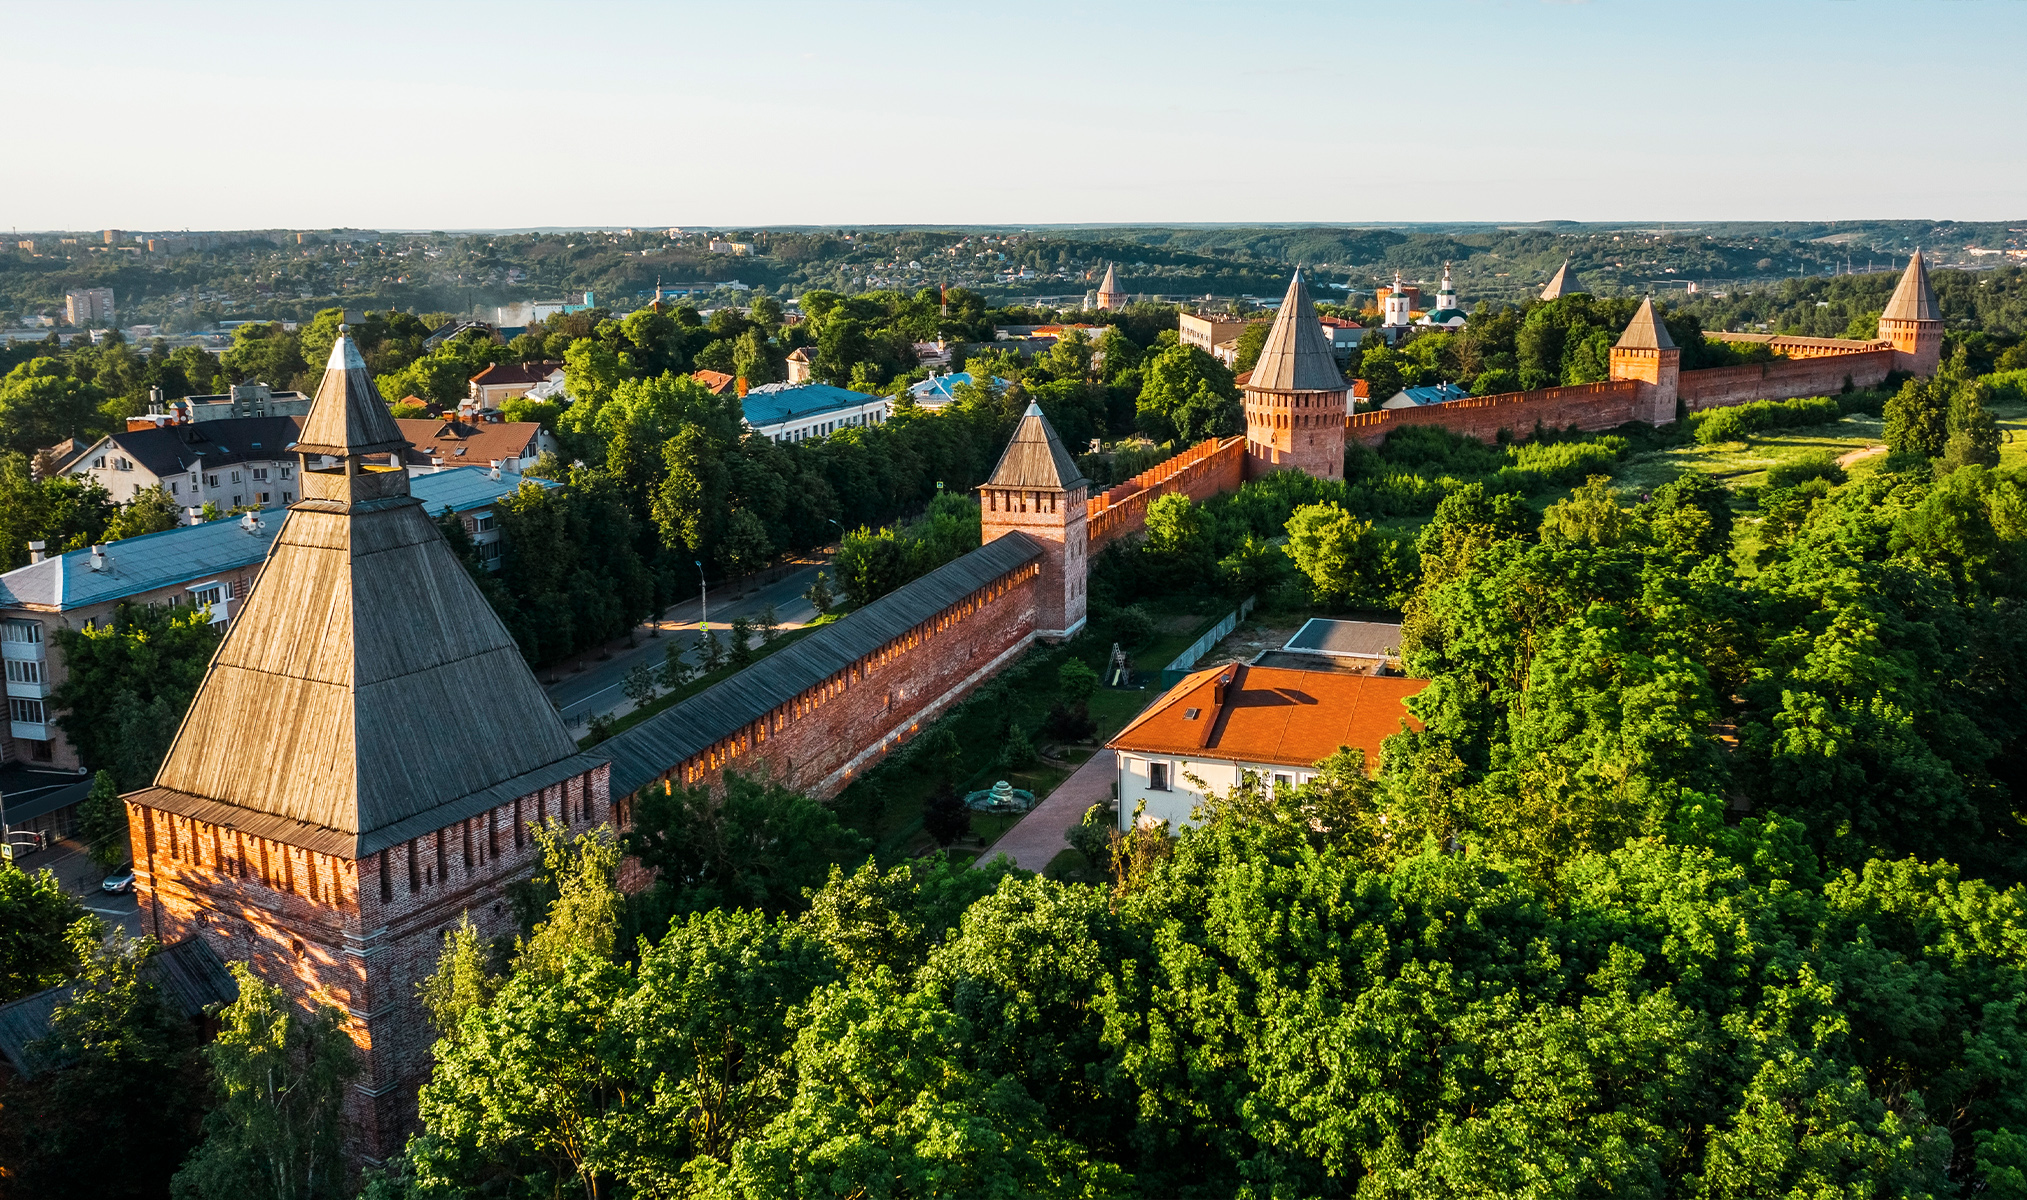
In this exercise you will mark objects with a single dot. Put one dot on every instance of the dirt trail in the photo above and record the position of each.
(1845, 460)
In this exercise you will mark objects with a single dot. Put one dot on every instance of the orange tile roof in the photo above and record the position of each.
(462, 443)
(718, 381)
(1273, 715)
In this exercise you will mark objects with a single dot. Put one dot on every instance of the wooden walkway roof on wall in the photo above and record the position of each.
(188, 975)
(640, 755)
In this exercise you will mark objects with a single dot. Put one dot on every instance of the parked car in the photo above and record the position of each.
(121, 881)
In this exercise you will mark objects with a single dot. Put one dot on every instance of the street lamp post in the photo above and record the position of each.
(703, 600)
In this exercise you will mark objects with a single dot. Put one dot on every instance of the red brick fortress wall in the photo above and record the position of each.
(1785, 378)
(835, 731)
(1200, 472)
(1592, 407)
(358, 935)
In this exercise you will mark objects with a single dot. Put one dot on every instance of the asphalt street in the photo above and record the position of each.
(580, 695)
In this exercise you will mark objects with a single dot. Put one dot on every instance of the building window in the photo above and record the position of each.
(1282, 781)
(28, 712)
(1157, 777)
(20, 671)
(288, 497)
(235, 477)
(285, 472)
(260, 474)
(99, 463)
(211, 481)
(210, 594)
(235, 502)
(261, 497)
(21, 631)
(483, 523)
(175, 488)
(489, 552)
(123, 464)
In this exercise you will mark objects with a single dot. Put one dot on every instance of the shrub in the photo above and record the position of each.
(1069, 722)
(1801, 470)
(1741, 421)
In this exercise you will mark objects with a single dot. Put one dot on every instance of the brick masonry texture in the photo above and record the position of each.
(1588, 406)
(1785, 378)
(1058, 521)
(1200, 472)
(358, 935)
(832, 733)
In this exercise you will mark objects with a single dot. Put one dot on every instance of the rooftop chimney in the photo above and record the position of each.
(99, 560)
(193, 515)
(35, 549)
(494, 473)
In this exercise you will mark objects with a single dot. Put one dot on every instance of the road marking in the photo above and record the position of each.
(113, 912)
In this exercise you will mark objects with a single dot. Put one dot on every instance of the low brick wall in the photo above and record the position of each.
(1200, 472)
(1785, 378)
(1588, 406)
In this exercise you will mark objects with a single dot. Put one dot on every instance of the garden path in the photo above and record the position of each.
(1038, 837)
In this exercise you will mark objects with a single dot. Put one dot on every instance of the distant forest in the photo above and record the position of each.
(190, 282)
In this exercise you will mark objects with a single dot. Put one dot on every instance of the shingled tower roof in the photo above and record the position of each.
(1036, 458)
(1914, 299)
(1109, 286)
(1563, 283)
(366, 692)
(1645, 331)
(1297, 356)
(348, 416)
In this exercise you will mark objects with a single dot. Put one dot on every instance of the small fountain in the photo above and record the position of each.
(1001, 797)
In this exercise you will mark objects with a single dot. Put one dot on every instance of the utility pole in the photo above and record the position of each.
(703, 600)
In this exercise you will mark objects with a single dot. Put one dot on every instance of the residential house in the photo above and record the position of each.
(1220, 727)
(795, 412)
(232, 462)
(502, 382)
(214, 563)
(437, 444)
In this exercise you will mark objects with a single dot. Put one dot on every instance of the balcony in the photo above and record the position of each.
(21, 651)
(27, 691)
(34, 731)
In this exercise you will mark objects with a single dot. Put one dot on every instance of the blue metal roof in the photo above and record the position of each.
(937, 388)
(1435, 393)
(773, 403)
(156, 560)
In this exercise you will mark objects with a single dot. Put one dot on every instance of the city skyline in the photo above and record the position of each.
(910, 114)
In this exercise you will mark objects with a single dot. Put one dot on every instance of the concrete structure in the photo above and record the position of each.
(1110, 294)
(1038, 490)
(254, 399)
(215, 563)
(1296, 399)
(1206, 331)
(1223, 727)
(795, 412)
(89, 308)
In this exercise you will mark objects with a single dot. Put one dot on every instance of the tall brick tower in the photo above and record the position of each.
(1110, 296)
(1913, 321)
(310, 818)
(1646, 354)
(1296, 398)
(1038, 490)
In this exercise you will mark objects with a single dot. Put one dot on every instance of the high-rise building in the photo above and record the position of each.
(89, 308)
(112, 236)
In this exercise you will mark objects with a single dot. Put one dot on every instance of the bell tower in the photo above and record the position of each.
(1297, 401)
(1913, 321)
(1038, 490)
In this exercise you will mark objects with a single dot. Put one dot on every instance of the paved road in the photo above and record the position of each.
(1039, 836)
(80, 877)
(596, 689)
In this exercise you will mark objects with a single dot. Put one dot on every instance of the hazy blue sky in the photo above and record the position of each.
(446, 115)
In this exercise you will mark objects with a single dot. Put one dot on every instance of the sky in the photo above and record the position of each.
(434, 114)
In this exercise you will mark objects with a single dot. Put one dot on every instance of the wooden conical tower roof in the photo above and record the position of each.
(1645, 331)
(1915, 298)
(1036, 458)
(366, 688)
(1563, 283)
(1296, 356)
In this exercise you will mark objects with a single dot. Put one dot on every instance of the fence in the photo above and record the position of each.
(1172, 673)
